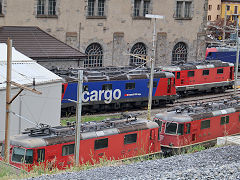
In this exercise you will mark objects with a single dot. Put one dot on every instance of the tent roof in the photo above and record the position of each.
(24, 69)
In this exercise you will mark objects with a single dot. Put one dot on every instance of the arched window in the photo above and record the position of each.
(179, 53)
(138, 49)
(94, 55)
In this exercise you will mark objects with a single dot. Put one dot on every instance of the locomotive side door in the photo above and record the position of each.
(152, 140)
(231, 73)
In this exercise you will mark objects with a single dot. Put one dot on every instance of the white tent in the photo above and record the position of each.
(29, 108)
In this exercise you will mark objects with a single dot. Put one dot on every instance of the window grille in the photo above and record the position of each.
(94, 56)
(179, 52)
(40, 7)
(183, 9)
(137, 7)
(179, 9)
(52, 7)
(146, 7)
(90, 7)
(187, 13)
(138, 49)
(101, 7)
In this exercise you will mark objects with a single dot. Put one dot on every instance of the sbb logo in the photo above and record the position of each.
(106, 95)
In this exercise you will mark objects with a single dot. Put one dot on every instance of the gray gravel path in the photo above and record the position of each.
(215, 163)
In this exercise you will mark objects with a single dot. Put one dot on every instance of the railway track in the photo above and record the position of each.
(192, 99)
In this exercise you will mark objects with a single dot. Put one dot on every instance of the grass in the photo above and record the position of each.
(194, 149)
(5, 171)
(86, 119)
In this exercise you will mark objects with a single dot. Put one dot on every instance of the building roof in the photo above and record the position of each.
(24, 69)
(37, 44)
(231, 1)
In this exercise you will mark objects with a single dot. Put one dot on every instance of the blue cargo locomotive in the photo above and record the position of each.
(118, 89)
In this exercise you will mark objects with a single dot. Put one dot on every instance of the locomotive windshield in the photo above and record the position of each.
(2, 151)
(21, 155)
(174, 128)
(171, 128)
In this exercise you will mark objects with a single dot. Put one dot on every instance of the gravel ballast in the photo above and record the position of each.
(215, 163)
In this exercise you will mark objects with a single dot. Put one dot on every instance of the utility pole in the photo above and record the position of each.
(8, 104)
(155, 17)
(9, 100)
(78, 116)
(224, 23)
(237, 59)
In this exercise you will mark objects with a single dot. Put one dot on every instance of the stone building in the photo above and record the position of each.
(231, 8)
(42, 47)
(108, 30)
(214, 10)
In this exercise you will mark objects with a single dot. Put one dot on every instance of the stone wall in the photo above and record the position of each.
(118, 30)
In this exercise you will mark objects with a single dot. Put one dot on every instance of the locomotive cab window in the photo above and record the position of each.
(130, 138)
(178, 75)
(101, 143)
(224, 120)
(41, 155)
(29, 156)
(2, 150)
(129, 86)
(62, 88)
(191, 73)
(171, 128)
(205, 72)
(188, 125)
(85, 88)
(205, 124)
(220, 71)
(159, 122)
(107, 87)
(21, 155)
(154, 84)
(68, 149)
(180, 129)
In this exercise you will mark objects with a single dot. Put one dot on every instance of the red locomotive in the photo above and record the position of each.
(110, 139)
(200, 124)
(193, 77)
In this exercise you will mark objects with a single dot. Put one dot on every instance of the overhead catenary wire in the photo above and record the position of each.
(24, 118)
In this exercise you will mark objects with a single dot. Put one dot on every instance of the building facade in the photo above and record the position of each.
(109, 30)
(28, 109)
(214, 10)
(230, 8)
